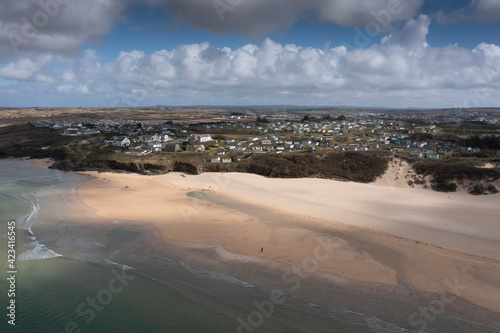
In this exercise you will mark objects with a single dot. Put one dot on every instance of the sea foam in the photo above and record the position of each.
(38, 252)
(214, 275)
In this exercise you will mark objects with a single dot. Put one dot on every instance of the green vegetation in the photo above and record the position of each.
(471, 127)
(354, 166)
(446, 175)
(20, 140)
(486, 142)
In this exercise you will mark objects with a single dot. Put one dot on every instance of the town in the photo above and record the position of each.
(235, 138)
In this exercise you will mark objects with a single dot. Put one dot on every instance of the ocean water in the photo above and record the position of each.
(75, 275)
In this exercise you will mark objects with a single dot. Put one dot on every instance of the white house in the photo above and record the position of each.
(215, 159)
(147, 137)
(154, 145)
(164, 138)
(200, 138)
(121, 141)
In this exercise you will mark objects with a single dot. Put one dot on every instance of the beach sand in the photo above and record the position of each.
(347, 232)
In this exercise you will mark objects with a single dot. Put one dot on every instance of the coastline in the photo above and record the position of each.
(236, 222)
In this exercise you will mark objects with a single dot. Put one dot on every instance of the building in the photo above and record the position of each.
(172, 147)
(226, 159)
(164, 138)
(120, 141)
(72, 132)
(215, 159)
(195, 148)
(154, 146)
(200, 138)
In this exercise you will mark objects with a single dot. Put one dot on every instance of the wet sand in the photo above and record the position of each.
(275, 224)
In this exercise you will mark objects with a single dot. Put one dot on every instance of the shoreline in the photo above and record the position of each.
(359, 272)
(287, 238)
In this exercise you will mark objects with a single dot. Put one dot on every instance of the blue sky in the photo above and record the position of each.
(392, 53)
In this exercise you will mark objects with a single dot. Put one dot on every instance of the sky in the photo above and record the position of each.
(130, 53)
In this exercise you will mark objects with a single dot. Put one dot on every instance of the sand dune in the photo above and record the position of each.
(292, 219)
(455, 221)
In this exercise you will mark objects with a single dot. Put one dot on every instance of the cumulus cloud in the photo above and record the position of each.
(54, 26)
(256, 17)
(480, 11)
(49, 26)
(403, 70)
(25, 68)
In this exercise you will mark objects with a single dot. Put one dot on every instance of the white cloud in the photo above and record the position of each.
(24, 68)
(480, 11)
(48, 26)
(44, 78)
(403, 70)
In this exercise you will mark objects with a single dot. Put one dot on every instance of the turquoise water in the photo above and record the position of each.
(78, 277)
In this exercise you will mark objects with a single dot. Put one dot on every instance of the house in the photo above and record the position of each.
(164, 138)
(200, 138)
(226, 159)
(154, 145)
(172, 147)
(120, 141)
(71, 132)
(416, 155)
(146, 138)
(195, 148)
(432, 156)
(215, 159)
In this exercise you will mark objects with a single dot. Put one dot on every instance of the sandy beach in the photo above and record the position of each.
(375, 233)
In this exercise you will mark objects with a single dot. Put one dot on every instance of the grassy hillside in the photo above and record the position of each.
(353, 166)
